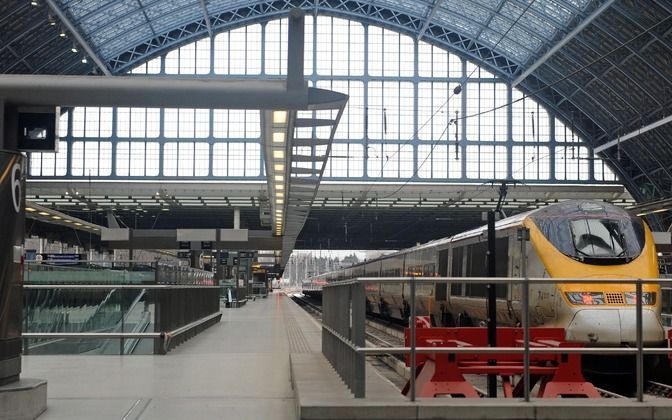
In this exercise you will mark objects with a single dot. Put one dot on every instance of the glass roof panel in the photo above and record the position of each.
(417, 8)
(523, 37)
(108, 14)
(131, 22)
(471, 10)
(105, 21)
(80, 8)
(506, 45)
(463, 26)
(490, 4)
(536, 24)
(557, 9)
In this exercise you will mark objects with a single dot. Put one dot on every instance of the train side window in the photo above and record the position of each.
(502, 269)
(443, 263)
(456, 271)
(477, 266)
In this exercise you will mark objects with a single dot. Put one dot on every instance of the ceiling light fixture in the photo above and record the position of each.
(278, 137)
(279, 117)
(279, 178)
(43, 213)
(279, 167)
(30, 209)
(278, 154)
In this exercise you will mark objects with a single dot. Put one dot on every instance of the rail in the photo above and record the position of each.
(165, 337)
(343, 336)
(114, 272)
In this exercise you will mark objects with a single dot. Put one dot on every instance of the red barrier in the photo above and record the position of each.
(437, 374)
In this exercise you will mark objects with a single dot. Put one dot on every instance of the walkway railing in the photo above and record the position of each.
(113, 272)
(343, 328)
(87, 318)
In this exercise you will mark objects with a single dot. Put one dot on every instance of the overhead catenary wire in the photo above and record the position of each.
(434, 143)
(523, 97)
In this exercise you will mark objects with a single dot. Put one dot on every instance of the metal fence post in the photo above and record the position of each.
(640, 354)
(411, 321)
(358, 338)
(523, 236)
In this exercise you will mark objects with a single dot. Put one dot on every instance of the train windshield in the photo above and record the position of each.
(592, 232)
(597, 237)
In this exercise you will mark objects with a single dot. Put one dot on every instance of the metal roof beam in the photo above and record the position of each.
(430, 15)
(563, 42)
(206, 16)
(634, 134)
(82, 42)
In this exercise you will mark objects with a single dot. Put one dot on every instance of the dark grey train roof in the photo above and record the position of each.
(612, 78)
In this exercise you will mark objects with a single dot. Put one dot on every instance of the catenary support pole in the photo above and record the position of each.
(492, 300)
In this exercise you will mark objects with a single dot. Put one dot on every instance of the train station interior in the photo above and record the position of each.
(335, 209)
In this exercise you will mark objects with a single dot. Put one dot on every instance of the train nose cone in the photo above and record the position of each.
(600, 327)
(613, 327)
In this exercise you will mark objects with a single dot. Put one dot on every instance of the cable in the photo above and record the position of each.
(523, 97)
(434, 143)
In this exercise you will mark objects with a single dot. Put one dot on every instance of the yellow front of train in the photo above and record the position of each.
(595, 240)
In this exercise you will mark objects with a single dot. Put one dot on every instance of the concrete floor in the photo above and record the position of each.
(237, 369)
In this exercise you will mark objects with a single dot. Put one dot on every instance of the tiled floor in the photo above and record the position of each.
(237, 369)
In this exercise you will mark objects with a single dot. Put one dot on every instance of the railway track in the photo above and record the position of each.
(658, 390)
(378, 332)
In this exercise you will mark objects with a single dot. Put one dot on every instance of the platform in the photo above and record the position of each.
(240, 369)
(237, 369)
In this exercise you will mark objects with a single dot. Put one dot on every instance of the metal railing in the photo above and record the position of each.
(343, 328)
(114, 272)
(165, 337)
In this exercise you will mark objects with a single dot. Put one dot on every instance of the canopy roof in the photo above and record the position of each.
(603, 66)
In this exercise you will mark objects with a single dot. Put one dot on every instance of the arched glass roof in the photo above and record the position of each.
(601, 65)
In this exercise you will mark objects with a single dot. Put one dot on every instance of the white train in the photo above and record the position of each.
(573, 239)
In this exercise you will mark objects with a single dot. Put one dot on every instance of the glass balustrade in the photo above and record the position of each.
(105, 297)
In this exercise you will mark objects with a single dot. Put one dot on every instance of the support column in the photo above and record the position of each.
(236, 217)
(295, 78)
(12, 208)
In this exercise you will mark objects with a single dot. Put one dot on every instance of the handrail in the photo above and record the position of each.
(496, 280)
(166, 336)
(638, 351)
(93, 335)
(118, 286)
